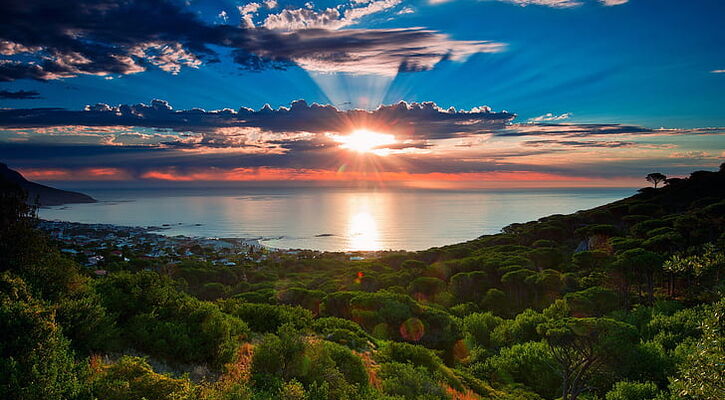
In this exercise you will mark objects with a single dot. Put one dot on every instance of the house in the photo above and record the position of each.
(93, 260)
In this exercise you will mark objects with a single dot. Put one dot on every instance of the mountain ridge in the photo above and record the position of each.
(42, 194)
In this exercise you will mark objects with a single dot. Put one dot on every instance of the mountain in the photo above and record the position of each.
(45, 195)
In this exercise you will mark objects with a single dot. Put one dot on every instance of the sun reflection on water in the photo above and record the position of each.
(363, 232)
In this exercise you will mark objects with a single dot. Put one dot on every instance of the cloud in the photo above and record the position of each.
(223, 16)
(19, 95)
(247, 12)
(299, 143)
(409, 121)
(359, 51)
(592, 130)
(580, 143)
(613, 2)
(696, 155)
(49, 40)
(304, 18)
(547, 3)
(330, 18)
(550, 117)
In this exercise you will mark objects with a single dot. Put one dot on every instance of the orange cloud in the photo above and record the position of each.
(432, 180)
(84, 174)
(45, 174)
(421, 180)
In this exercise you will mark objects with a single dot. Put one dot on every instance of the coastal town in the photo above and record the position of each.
(103, 248)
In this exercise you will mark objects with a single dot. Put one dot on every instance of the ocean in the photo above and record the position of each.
(331, 219)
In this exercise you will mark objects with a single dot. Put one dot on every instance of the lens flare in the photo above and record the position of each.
(365, 141)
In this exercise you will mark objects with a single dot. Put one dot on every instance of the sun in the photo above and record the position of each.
(365, 141)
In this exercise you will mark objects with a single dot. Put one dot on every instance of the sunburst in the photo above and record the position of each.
(365, 141)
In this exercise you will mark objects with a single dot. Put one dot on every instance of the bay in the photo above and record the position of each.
(331, 219)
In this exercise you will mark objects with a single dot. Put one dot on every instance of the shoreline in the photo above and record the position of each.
(128, 236)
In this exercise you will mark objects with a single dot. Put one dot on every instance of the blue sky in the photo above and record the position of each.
(645, 62)
(641, 63)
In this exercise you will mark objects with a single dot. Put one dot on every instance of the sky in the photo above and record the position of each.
(434, 94)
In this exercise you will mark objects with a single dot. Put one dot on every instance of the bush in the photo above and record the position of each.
(518, 330)
(279, 355)
(308, 299)
(267, 318)
(344, 332)
(409, 353)
(528, 363)
(478, 328)
(409, 382)
(350, 365)
(132, 378)
(36, 362)
(625, 390)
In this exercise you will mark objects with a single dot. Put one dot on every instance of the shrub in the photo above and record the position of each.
(344, 332)
(478, 328)
(36, 362)
(267, 317)
(409, 382)
(528, 363)
(625, 390)
(518, 330)
(350, 365)
(133, 378)
(308, 299)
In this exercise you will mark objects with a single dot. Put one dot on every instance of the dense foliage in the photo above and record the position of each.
(621, 302)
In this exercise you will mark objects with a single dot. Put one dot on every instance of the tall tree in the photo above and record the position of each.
(582, 347)
(655, 178)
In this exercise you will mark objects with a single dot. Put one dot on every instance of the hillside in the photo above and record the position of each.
(44, 195)
(620, 302)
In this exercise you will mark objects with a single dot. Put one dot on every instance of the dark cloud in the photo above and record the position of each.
(408, 121)
(151, 138)
(45, 40)
(147, 159)
(591, 130)
(150, 158)
(580, 143)
(572, 130)
(19, 95)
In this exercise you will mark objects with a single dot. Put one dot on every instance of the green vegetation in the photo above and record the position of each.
(624, 301)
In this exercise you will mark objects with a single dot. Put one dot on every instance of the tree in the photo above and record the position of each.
(655, 178)
(36, 361)
(706, 263)
(702, 374)
(582, 347)
(638, 262)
